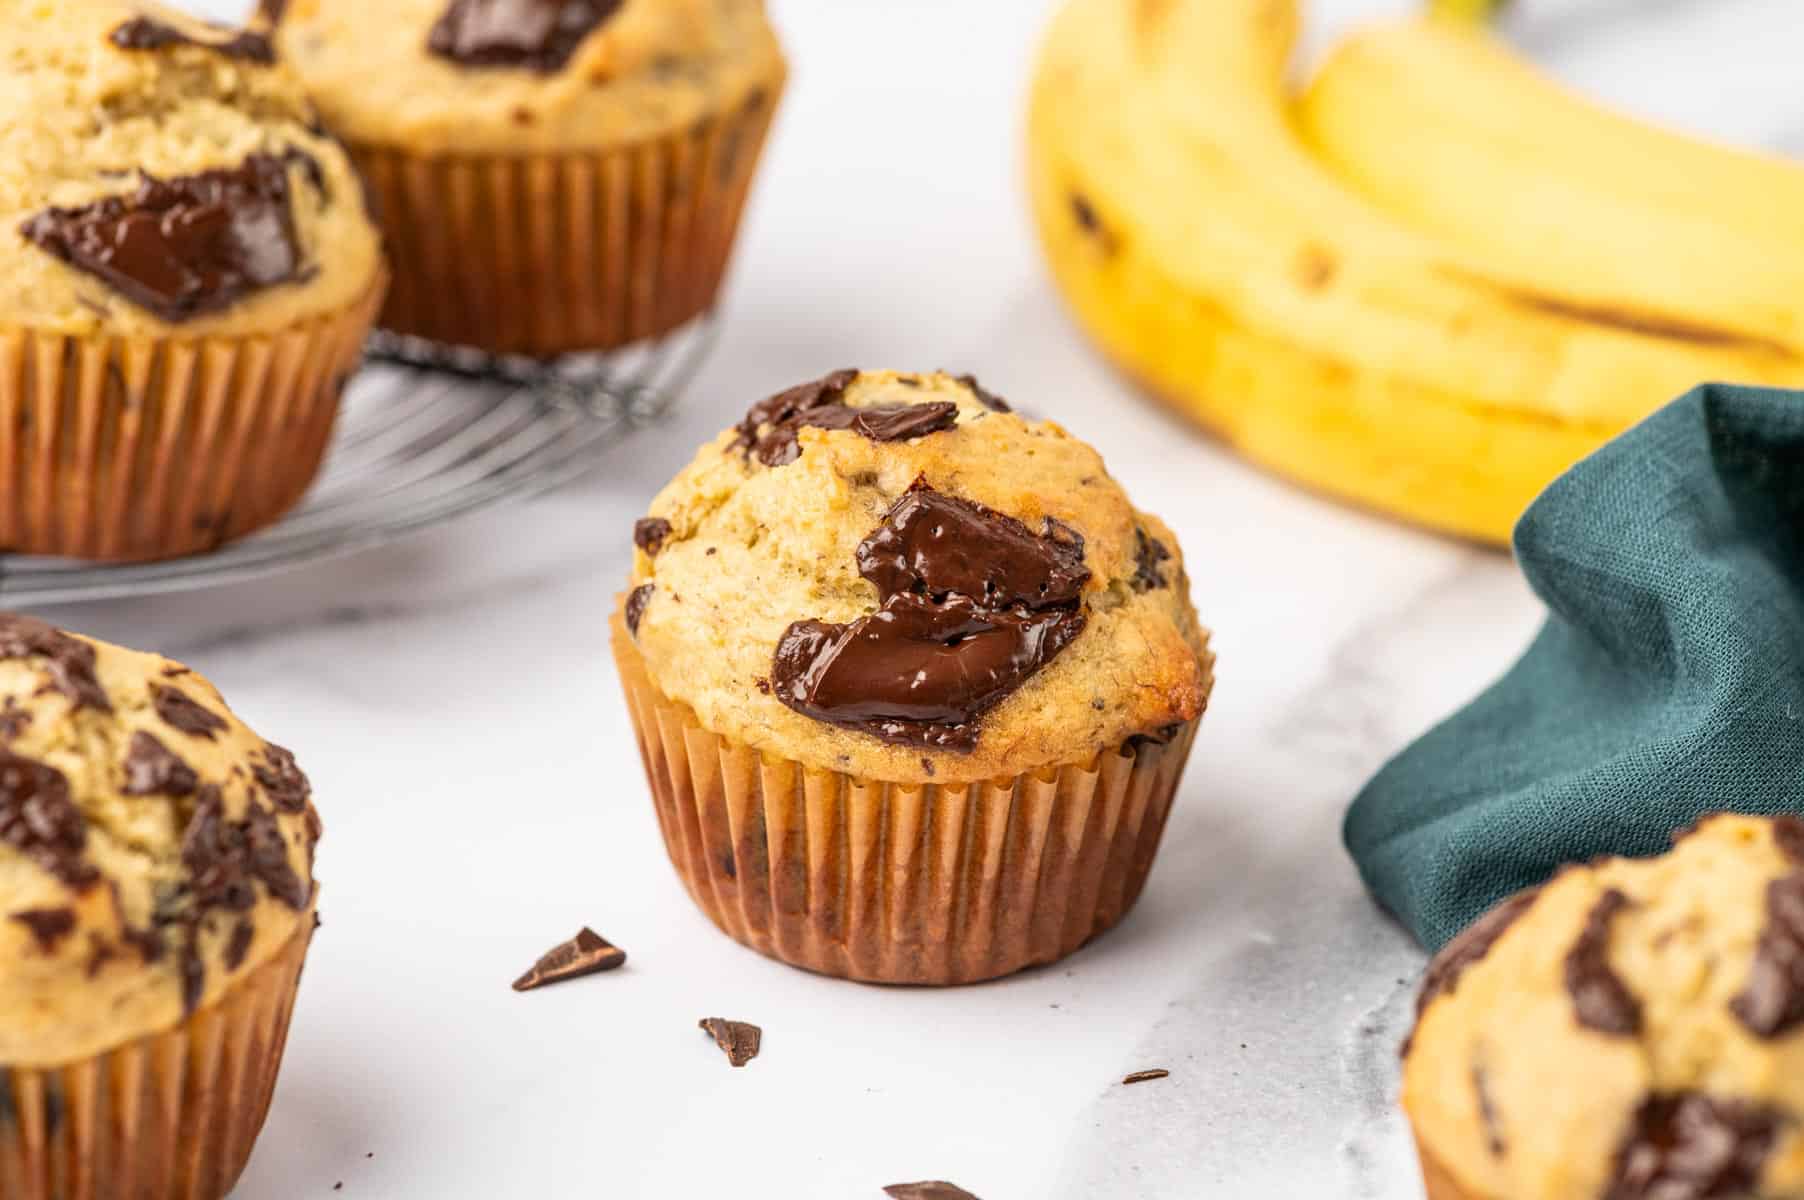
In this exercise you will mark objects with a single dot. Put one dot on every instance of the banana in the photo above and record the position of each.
(1216, 261)
(1445, 128)
(1468, 10)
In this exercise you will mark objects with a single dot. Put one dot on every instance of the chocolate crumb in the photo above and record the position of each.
(763, 686)
(1600, 999)
(282, 781)
(585, 954)
(151, 769)
(181, 712)
(927, 765)
(649, 534)
(635, 606)
(1147, 1076)
(48, 926)
(739, 1039)
(936, 1189)
(1149, 556)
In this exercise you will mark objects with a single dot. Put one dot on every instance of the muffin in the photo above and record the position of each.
(556, 176)
(156, 901)
(1630, 1031)
(913, 681)
(192, 276)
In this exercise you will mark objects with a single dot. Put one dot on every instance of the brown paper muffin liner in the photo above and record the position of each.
(172, 1116)
(1438, 1180)
(899, 883)
(135, 448)
(554, 254)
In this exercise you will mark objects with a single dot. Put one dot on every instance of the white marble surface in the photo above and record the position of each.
(454, 701)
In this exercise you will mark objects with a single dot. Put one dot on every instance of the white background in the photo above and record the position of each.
(454, 702)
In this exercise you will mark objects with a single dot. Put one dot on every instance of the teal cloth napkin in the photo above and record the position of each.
(1668, 681)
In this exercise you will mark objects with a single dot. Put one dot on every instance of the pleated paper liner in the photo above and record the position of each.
(890, 883)
(542, 255)
(167, 1117)
(138, 448)
(1438, 1180)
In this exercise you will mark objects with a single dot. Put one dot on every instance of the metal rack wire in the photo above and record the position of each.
(427, 434)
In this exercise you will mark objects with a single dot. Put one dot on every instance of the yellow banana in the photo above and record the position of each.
(1444, 127)
(1218, 262)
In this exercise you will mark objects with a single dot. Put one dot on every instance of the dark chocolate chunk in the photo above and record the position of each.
(152, 769)
(1487, 1113)
(827, 391)
(649, 534)
(271, 12)
(1600, 999)
(770, 429)
(179, 711)
(538, 35)
(933, 1189)
(973, 603)
(585, 954)
(1469, 948)
(1788, 835)
(282, 781)
(38, 819)
(240, 943)
(740, 1040)
(985, 397)
(48, 926)
(1149, 554)
(1689, 1146)
(188, 246)
(224, 858)
(14, 718)
(1146, 1076)
(1771, 1003)
(148, 33)
(69, 659)
(635, 606)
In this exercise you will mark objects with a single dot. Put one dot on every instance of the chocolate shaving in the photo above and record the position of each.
(38, 819)
(536, 35)
(1689, 1146)
(179, 711)
(585, 954)
(1468, 949)
(151, 769)
(1600, 999)
(148, 33)
(635, 606)
(935, 1189)
(985, 397)
(48, 926)
(1147, 1076)
(740, 1040)
(69, 660)
(282, 781)
(1149, 554)
(1771, 1003)
(649, 534)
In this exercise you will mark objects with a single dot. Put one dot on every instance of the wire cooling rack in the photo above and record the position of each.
(426, 434)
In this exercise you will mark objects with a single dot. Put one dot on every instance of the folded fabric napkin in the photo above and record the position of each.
(1668, 681)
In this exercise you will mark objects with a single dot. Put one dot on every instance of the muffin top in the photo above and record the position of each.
(152, 849)
(158, 173)
(1633, 1030)
(527, 76)
(898, 577)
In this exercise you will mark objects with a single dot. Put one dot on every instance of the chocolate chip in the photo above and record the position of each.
(1487, 1113)
(1147, 1076)
(1689, 1146)
(1600, 999)
(1788, 835)
(585, 954)
(282, 781)
(1468, 949)
(649, 534)
(936, 1189)
(1771, 1003)
(69, 660)
(973, 603)
(740, 1040)
(38, 819)
(635, 606)
(151, 769)
(1149, 553)
(48, 926)
(985, 397)
(538, 35)
(181, 712)
(187, 246)
(148, 33)
(240, 943)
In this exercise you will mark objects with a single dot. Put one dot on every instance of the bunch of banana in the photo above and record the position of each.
(1335, 312)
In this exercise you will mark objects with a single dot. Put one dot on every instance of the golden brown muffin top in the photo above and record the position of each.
(1634, 1030)
(523, 77)
(897, 577)
(152, 848)
(159, 174)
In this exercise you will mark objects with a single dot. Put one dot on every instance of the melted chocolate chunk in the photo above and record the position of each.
(1771, 1003)
(985, 397)
(69, 659)
(973, 604)
(649, 534)
(1690, 1146)
(770, 429)
(539, 35)
(38, 819)
(184, 247)
(48, 926)
(1149, 554)
(179, 711)
(930, 1189)
(1788, 835)
(282, 781)
(635, 606)
(827, 391)
(152, 769)
(226, 858)
(1469, 948)
(240, 944)
(585, 954)
(740, 1039)
(148, 33)
(1600, 999)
